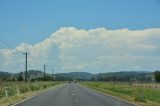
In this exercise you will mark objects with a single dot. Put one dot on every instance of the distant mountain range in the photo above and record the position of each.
(77, 75)
(132, 75)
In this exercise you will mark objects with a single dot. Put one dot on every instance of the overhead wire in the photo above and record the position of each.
(8, 45)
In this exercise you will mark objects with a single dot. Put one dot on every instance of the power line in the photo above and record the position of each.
(5, 43)
(2, 46)
(8, 45)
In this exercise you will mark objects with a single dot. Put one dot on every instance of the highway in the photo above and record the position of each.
(73, 94)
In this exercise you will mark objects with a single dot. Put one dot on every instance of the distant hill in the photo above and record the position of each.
(5, 75)
(126, 76)
(76, 75)
(31, 74)
(35, 74)
(111, 76)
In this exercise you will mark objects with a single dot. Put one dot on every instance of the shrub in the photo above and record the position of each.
(44, 86)
(11, 91)
(157, 76)
(24, 89)
(34, 87)
(140, 97)
(32, 80)
(1, 93)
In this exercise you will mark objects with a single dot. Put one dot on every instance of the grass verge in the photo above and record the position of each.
(140, 96)
(26, 90)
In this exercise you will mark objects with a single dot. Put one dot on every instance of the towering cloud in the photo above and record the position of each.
(94, 50)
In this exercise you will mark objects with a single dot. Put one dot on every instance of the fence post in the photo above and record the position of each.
(6, 93)
(17, 89)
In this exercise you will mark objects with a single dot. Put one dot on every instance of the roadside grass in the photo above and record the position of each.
(18, 91)
(139, 95)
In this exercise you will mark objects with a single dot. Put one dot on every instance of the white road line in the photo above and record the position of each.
(76, 100)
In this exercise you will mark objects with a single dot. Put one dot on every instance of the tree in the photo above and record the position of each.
(20, 77)
(92, 79)
(157, 75)
(48, 78)
(13, 79)
(32, 80)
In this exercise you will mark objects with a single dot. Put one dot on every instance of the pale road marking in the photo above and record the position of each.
(73, 94)
(76, 100)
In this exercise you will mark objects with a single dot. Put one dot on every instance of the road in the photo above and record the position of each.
(73, 94)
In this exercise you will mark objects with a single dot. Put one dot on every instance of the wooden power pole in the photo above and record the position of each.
(26, 74)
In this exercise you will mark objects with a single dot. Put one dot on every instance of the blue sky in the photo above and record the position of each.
(80, 35)
(31, 21)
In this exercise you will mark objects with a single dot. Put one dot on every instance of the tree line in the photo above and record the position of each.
(128, 77)
(113, 76)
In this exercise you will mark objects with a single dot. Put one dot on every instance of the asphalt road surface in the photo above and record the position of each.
(73, 94)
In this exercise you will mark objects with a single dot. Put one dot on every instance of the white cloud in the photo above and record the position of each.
(95, 50)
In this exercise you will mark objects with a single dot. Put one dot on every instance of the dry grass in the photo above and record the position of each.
(148, 85)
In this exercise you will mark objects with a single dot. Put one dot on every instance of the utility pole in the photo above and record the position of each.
(26, 55)
(44, 71)
(57, 76)
(52, 73)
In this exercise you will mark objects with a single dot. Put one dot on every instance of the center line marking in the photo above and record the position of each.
(76, 100)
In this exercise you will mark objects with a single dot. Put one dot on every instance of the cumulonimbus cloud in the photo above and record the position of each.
(94, 50)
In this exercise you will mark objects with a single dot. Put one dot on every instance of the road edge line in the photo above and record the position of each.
(112, 96)
(34, 95)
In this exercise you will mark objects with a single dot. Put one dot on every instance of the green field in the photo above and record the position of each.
(142, 95)
(17, 91)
